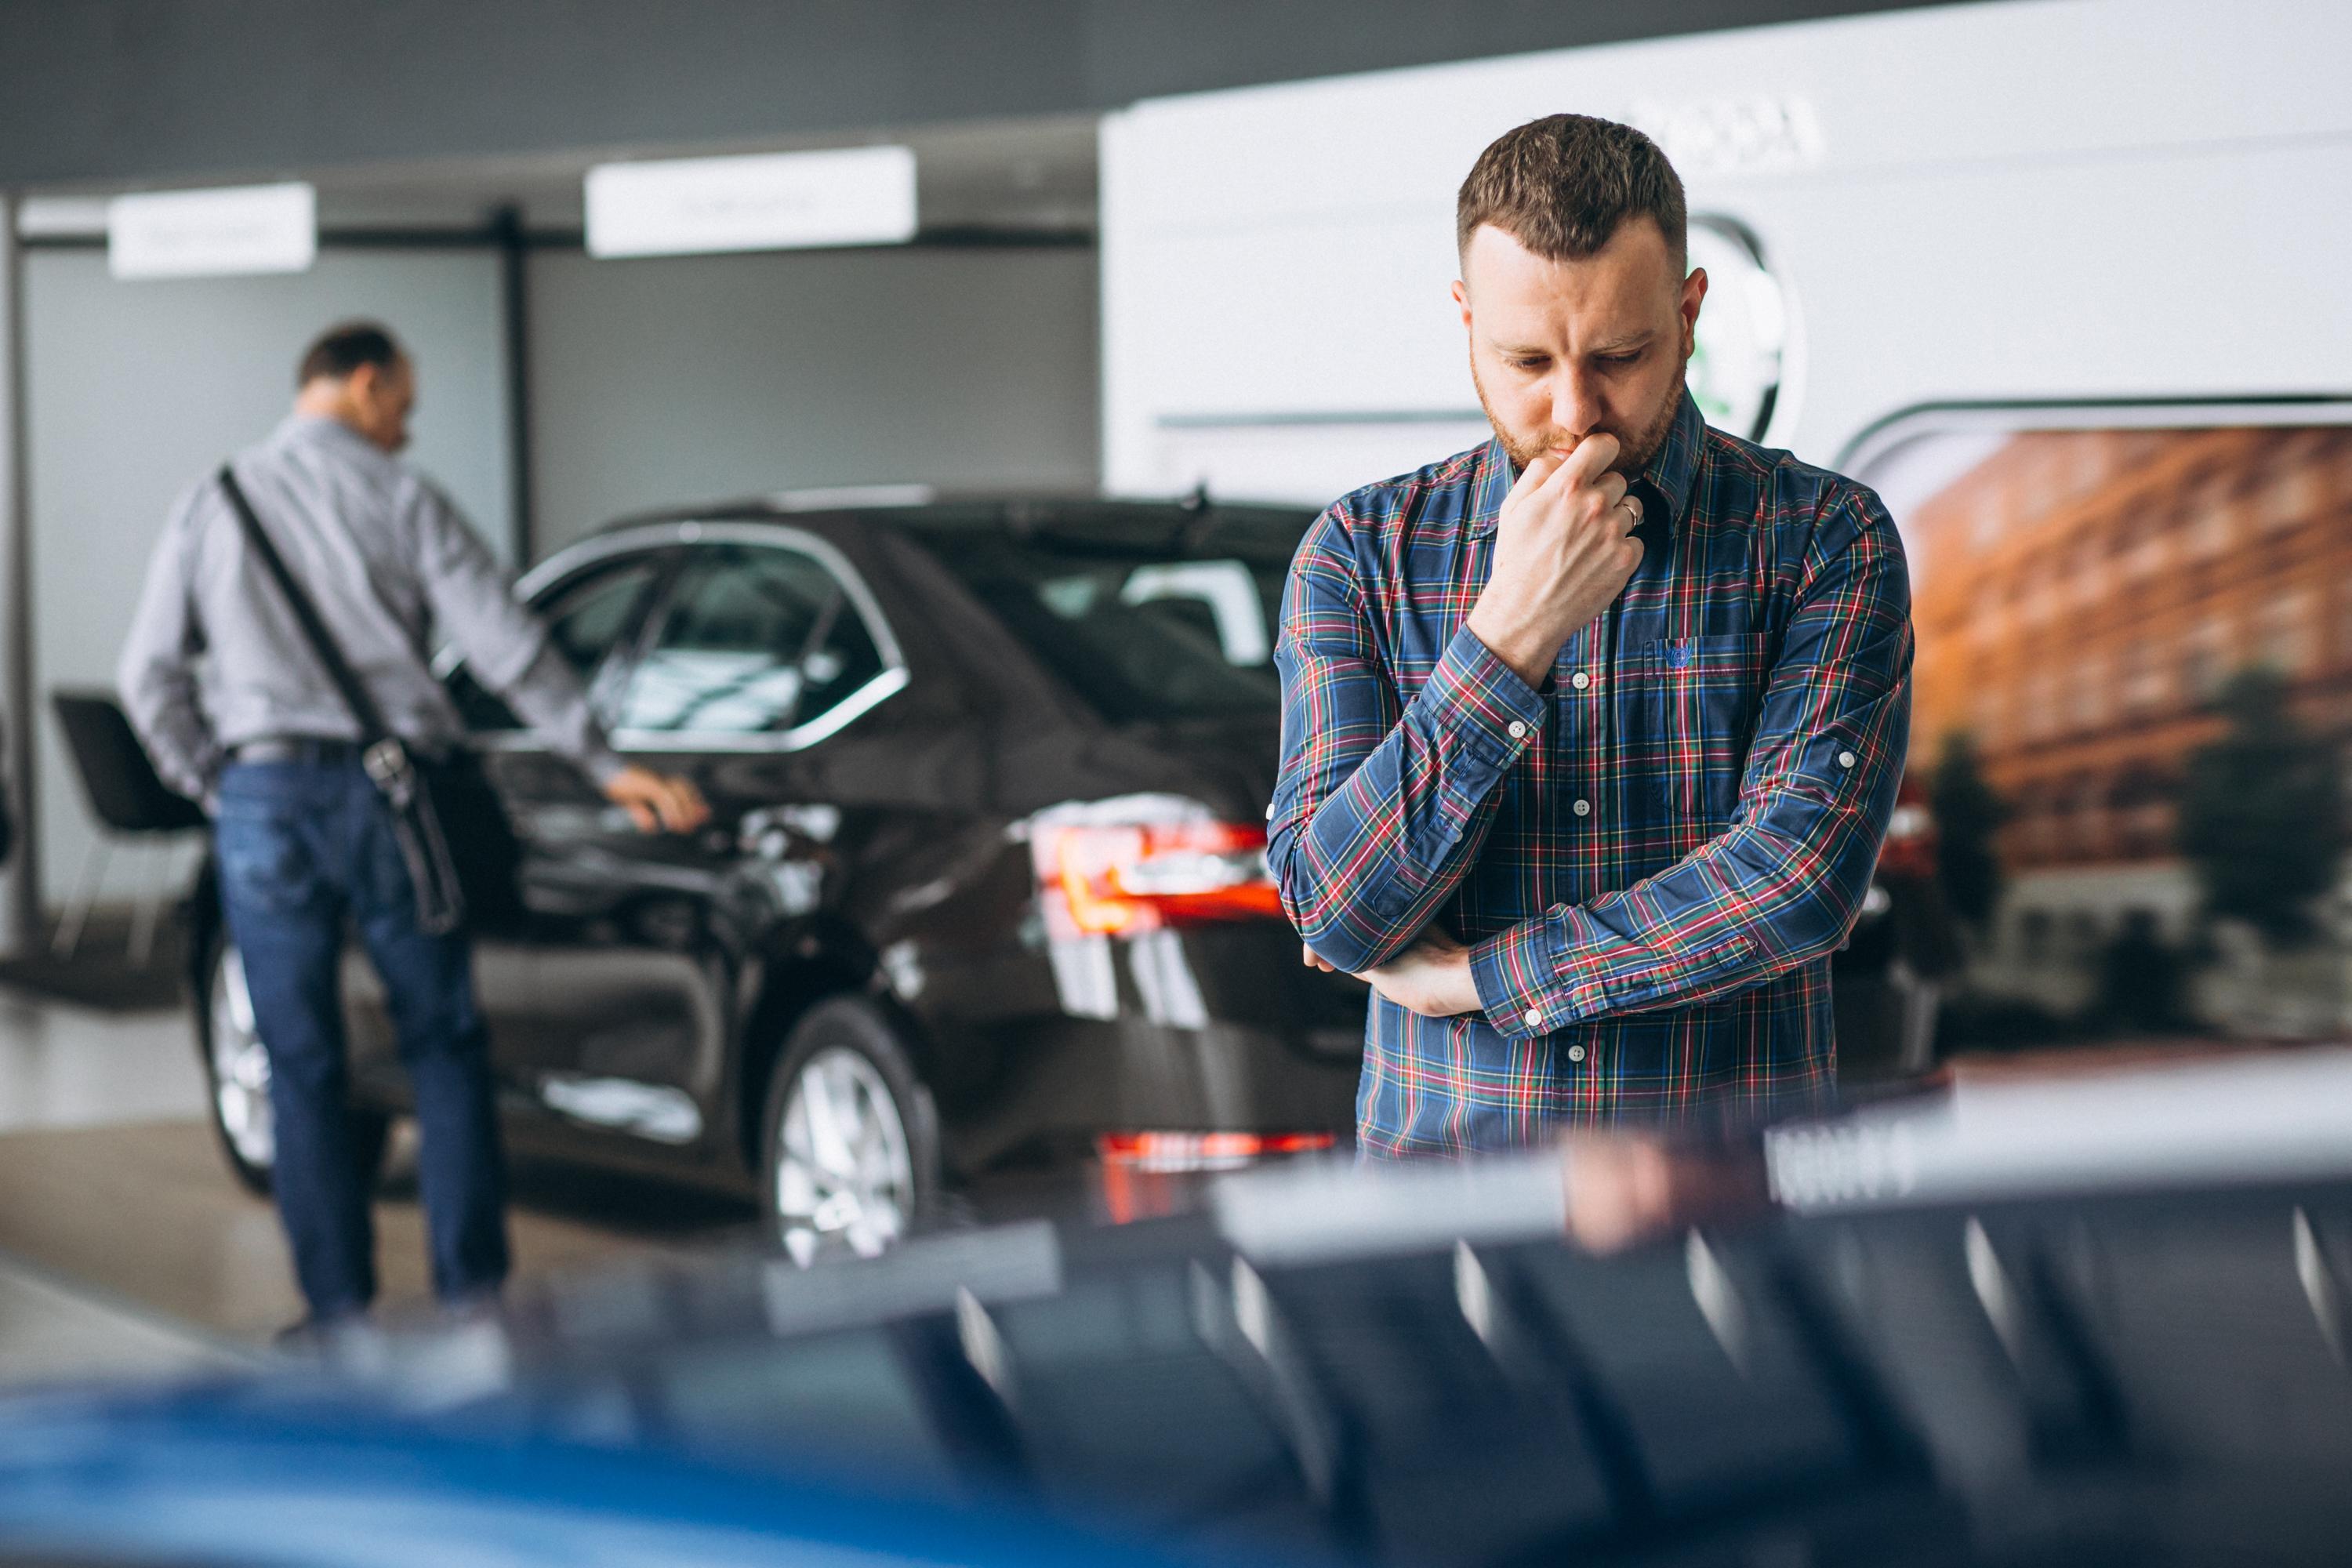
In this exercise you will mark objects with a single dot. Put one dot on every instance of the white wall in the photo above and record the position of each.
(659, 383)
(2033, 199)
(138, 390)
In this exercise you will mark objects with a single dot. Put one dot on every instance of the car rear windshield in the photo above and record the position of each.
(1151, 612)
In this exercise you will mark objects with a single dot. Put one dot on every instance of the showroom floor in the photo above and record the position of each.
(126, 1248)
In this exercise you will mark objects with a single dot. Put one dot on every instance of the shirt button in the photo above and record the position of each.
(1518, 730)
(1845, 759)
(1580, 681)
(1535, 1019)
(1576, 1053)
(1582, 808)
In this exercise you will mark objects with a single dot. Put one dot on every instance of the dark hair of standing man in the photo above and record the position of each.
(1562, 185)
(343, 348)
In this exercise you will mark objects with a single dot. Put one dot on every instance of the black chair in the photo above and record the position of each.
(129, 801)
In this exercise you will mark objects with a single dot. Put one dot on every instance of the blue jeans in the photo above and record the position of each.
(305, 851)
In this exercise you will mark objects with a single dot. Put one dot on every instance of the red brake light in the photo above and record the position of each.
(1121, 878)
(1910, 849)
(1175, 1151)
(1143, 1173)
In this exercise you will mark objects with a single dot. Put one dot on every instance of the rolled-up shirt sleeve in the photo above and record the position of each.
(156, 672)
(1380, 806)
(504, 642)
(1782, 886)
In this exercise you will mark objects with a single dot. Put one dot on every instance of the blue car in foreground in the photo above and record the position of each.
(2008, 1322)
(270, 1474)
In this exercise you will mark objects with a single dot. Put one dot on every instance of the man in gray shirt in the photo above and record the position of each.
(237, 710)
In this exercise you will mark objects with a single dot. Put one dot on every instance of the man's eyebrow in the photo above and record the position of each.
(1623, 344)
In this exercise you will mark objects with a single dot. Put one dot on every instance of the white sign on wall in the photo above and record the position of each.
(210, 233)
(771, 201)
(1749, 135)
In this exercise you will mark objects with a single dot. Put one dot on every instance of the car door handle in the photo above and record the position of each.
(558, 823)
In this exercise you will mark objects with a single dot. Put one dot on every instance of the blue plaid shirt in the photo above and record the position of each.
(1653, 855)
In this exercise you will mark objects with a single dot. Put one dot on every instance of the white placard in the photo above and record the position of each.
(1745, 135)
(773, 201)
(207, 234)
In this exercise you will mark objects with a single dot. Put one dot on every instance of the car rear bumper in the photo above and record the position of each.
(1063, 1082)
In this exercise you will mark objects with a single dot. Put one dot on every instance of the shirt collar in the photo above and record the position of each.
(1669, 479)
(1673, 474)
(321, 428)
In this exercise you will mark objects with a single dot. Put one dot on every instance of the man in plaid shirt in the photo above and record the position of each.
(1590, 734)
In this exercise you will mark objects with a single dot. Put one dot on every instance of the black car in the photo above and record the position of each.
(985, 880)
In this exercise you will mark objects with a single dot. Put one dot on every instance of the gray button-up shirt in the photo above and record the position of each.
(216, 658)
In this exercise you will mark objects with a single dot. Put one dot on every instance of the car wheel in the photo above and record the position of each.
(236, 1075)
(850, 1138)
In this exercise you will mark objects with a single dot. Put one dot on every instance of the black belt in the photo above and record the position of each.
(298, 748)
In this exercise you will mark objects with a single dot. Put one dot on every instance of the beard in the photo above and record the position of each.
(1634, 447)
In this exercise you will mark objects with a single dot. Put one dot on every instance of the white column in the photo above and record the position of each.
(20, 897)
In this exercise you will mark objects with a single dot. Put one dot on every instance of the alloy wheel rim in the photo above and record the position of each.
(845, 1174)
(240, 1068)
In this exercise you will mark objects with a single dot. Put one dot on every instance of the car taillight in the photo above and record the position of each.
(1909, 849)
(1146, 1175)
(1179, 1152)
(1116, 879)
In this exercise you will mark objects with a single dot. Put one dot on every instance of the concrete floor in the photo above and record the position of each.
(127, 1249)
(65, 1067)
(55, 1329)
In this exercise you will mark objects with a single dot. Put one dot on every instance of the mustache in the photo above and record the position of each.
(1634, 448)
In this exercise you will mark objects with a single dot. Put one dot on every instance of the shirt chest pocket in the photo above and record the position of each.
(1700, 713)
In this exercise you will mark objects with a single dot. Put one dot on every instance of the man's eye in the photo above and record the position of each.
(1529, 364)
(1618, 362)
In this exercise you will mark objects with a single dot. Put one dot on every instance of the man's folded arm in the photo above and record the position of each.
(1377, 812)
(1783, 885)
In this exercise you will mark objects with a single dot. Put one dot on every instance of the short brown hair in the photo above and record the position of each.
(1563, 185)
(343, 348)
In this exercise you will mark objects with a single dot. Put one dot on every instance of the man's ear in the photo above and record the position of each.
(1462, 299)
(1693, 295)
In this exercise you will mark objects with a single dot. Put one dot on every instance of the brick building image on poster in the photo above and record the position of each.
(2080, 597)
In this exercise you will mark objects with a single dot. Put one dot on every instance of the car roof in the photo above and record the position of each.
(842, 513)
(912, 503)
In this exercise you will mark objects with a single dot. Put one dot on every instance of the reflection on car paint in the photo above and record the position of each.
(651, 1110)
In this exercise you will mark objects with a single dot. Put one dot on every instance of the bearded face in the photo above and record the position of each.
(1635, 446)
(1563, 349)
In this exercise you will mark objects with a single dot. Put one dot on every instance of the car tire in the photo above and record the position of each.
(849, 1136)
(236, 1082)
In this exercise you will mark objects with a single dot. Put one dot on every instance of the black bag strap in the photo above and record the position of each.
(416, 826)
(372, 728)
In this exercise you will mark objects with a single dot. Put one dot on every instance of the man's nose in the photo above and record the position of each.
(1576, 408)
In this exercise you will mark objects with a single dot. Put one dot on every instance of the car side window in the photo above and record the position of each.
(586, 615)
(842, 658)
(755, 640)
